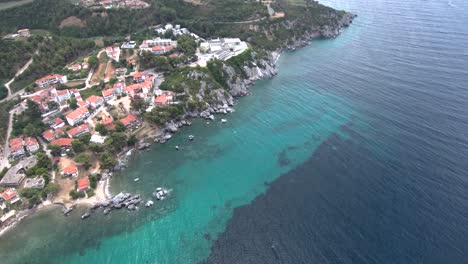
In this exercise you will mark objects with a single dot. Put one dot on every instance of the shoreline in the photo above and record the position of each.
(102, 190)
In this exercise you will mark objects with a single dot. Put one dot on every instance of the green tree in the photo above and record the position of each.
(93, 61)
(52, 105)
(55, 150)
(78, 146)
(73, 103)
(139, 104)
(119, 127)
(132, 140)
(52, 188)
(31, 130)
(101, 129)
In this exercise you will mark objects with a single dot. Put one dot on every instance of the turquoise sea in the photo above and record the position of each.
(370, 127)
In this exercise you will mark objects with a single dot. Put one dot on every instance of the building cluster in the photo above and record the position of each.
(113, 53)
(176, 30)
(78, 67)
(223, 48)
(158, 46)
(114, 4)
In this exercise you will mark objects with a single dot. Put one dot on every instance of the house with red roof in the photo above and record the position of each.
(133, 89)
(78, 131)
(70, 171)
(31, 144)
(16, 147)
(63, 142)
(147, 85)
(130, 120)
(165, 98)
(139, 77)
(160, 50)
(119, 88)
(58, 123)
(24, 32)
(77, 115)
(83, 184)
(95, 101)
(108, 94)
(49, 135)
(75, 67)
(62, 95)
(10, 195)
(120, 71)
(51, 79)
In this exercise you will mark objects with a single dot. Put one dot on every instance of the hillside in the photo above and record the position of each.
(208, 18)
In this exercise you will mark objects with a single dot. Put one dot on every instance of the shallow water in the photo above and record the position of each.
(373, 126)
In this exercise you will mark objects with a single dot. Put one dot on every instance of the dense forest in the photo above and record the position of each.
(13, 55)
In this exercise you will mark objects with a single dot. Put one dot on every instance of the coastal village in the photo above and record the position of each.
(105, 110)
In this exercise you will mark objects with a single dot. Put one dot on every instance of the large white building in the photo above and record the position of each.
(51, 79)
(224, 48)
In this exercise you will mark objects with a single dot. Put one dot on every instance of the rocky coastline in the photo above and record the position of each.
(237, 86)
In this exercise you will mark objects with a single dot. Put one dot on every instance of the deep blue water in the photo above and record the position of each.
(395, 189)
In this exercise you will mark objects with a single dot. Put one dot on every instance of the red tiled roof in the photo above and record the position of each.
(62, 92)
(77, 113)
(119, 85)
(48, 135)
(129, 119)
(48, 77)
(77, 130)
(138, 75)
(162, 99)
(107, 92)
(71, 169)
(83, 184)
(132, 88)
(63, 142)
(30, 141)
(16, 141)
(147, 84)
(58, 121)
(9, 194)
(94, 99)
(107, 120)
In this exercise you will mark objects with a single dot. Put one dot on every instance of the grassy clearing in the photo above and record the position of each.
(11, 4)
(95, 90)
(18, 85)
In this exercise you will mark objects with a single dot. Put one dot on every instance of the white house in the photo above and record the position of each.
(77, 115)
(51, 79)
(95, 101)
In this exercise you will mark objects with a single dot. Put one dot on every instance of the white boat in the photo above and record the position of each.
(223, 120)
(149, 203)
(177, 147)
(136, 179)
(191, 137)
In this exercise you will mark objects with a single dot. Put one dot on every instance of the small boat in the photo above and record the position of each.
(86, 215)
(223, 120)
(67, 211)
(177, 147)
(207, 122)
(191, 137)
(159, 189)
(149, 203)
(136, 179)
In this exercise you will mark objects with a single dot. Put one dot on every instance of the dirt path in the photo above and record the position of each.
(18, 73)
